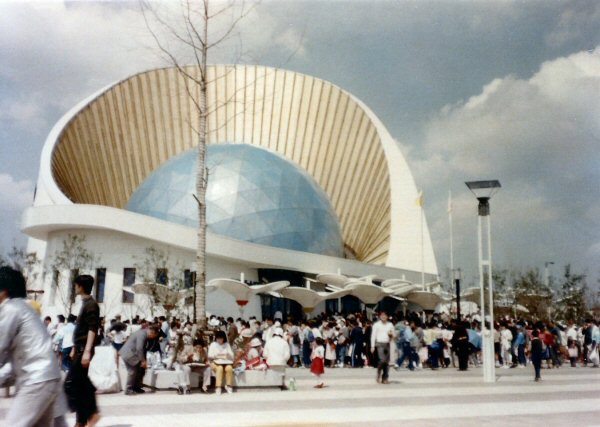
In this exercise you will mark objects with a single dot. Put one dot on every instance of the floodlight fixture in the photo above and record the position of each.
(483, 191)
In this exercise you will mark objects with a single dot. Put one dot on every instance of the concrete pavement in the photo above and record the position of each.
(421, 398)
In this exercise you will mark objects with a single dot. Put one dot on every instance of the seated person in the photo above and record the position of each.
(183, 354)
(220, 357)
(254, 360)
(200, 356)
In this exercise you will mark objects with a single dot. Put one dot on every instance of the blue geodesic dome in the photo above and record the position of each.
(253, 195)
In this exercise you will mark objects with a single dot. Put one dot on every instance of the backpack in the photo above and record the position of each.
(311, 336)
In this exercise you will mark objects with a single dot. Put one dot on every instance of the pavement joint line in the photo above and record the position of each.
(563, 395)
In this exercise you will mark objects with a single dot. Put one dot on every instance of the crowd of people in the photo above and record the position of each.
(33, 351)
(413, 342)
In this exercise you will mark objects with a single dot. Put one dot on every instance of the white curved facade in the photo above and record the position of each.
(103, 149)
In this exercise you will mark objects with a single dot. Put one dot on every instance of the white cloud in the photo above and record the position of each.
(15, 194)
(540, 138)
(26, 113)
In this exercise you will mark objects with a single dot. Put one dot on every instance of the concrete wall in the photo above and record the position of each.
(116, 251)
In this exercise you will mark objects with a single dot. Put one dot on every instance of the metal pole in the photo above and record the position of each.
(451, 237)
(487, 337)
(481, 291)
(422, 252)
(491, 366)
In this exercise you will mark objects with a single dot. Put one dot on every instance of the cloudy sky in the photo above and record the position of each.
(470, 90)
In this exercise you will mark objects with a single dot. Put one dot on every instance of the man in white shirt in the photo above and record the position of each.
(24, 343)
(381, 336)
(277, 350)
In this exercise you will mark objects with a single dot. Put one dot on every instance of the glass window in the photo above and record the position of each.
(162, 276)
(128, 282)
(100, 284)
(188, 279)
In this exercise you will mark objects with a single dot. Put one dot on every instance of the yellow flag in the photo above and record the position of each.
(420, 199)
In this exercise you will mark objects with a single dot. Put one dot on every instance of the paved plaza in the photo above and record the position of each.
(566, 396)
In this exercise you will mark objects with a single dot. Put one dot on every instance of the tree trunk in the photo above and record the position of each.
(201, 182)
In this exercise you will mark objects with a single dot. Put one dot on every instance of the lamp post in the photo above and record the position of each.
(483, 191)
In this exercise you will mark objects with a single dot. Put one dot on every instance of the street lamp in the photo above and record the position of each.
(483, 191)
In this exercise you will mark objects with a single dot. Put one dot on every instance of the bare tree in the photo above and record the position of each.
(161, 280)
(193, 36)
(27, 263)
(73, 258)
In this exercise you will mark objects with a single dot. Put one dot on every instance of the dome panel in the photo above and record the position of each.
(253, 195)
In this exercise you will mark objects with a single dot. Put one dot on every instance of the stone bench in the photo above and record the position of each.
(273, 377)
(164, 379)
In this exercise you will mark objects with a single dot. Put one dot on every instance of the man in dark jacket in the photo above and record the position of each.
(80, 391)
(133, 354)
(537, 348)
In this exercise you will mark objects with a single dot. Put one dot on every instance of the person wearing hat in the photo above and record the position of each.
(277, 350)
(254, 361)
(220, 356)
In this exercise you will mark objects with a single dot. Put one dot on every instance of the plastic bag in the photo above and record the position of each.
(103, 370)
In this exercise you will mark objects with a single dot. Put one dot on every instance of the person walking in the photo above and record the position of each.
(133, 354)
(65, 335)
(537, 349)
(403, 336)
(381, 336)
(81, 393)
(357, 340)
(25, 343)
(460, 344)
(317, 366)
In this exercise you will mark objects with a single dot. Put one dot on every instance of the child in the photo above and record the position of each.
(317, 366)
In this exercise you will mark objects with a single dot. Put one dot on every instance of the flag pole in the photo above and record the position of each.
(420, 204)
(451, 237)
(451, 278)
